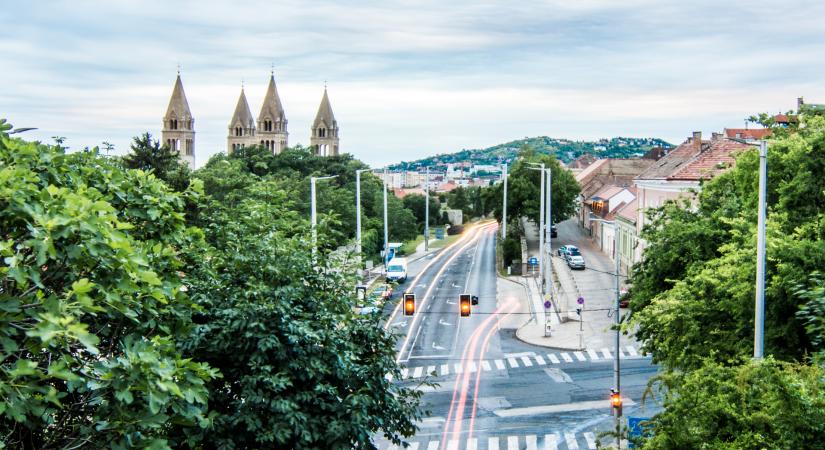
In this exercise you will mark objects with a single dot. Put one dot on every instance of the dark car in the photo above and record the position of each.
(554, 232)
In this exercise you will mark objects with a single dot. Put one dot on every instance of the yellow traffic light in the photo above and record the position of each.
(616, 402)
(409, 304)
(465, 300)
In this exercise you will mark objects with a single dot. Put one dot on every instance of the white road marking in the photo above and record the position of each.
(492, 443)
(472, 444)
(526, 361)
(430, 370)
(553, 359)
(551, 441)
(593, 355)
(566, 357)
(631, 351)
(404, 372)
(413, 446)
(622, 355)
(607, 354)
(473, 367)
(558, 375)
(570, 438)
(499, 364)
(531, 442)
(445, 369)
(486, 365)
(580, 356)
(453, 444)
(443, 322)
(540, 360)
(417, 372)
(512, 362)
(392, 447)
(548, 409)
(433, 445)
(438, 347)
(591, 440)
(512, 442)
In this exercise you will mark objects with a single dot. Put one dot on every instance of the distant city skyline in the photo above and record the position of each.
(409, 80)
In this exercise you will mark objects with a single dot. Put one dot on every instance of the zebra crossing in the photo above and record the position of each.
(518, 361)
(552, 441)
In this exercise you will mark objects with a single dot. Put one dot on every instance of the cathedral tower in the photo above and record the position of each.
(324, 137)
(272, 132)
(241, 127)
(179, 126)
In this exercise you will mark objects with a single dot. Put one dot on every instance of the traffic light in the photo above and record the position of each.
(616, 402)
(409, 304)
(465, 300)
(360, 292)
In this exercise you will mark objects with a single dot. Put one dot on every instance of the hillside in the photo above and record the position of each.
(564, 149)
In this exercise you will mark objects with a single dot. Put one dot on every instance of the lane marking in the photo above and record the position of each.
(632, 351)
(531, 442)
(433, 445)
(592, 353)
(591, 440)
(558, 375)
(500, 364)
(551, 441)
(580, 356)
(430, 369)
(526, 361)
(607, 354)
(512, 362)
(486, 365)
(458, 368)
(472, 444)
(445, 369)
(512, 442)
(566, 357)
(540, 360)
(553, 359)
(453, 445)
(492, 443)
(417, 372)
(413, 446)
(570, 438)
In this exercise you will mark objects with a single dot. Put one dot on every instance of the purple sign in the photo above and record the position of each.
(547, 304)
(580, 300)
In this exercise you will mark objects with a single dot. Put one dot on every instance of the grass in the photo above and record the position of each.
(408, 248)
(441, 243)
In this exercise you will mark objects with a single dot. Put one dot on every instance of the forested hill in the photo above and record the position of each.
(564, 149)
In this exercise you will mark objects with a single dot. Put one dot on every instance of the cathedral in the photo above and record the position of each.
(269, 130)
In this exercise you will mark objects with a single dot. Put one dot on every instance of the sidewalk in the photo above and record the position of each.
(568, 330)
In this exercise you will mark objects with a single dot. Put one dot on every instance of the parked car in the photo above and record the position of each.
(566, 250)
(575, 261)
(554, 232)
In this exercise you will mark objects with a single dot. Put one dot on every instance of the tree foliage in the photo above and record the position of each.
(148, 155)
(754, 405)
(92, 304)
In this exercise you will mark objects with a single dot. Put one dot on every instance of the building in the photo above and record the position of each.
(324, 137)
(606, 172)
(272, 123)
(746, 134)
(629, 249)
(603, 205)
(178, 132)
(241, 127)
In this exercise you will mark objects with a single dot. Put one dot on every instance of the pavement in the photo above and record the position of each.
(568, 330)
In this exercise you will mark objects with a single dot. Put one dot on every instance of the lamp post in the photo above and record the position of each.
(427, 209)
(386, 226)
(548, 248)
(759, 319)
(616, 365)
(541, 227)
(504, 205)
(358, 211)
(313, 212)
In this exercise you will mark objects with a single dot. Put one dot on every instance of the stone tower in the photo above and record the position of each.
(179, 126)
(241, 127)
(324, 137)
(272, 132)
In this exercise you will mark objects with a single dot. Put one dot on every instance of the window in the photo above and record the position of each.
(322, 132)
(238, 131)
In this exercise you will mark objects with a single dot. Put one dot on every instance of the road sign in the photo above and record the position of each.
(533, 261)
(636, 428)
(439, 233)
(580, 300)
(547, 304)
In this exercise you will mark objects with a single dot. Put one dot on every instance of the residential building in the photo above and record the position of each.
(629, 250)
(606, 172)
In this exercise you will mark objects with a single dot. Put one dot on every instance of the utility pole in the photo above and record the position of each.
(548, 270)
(427, 209)
(386, 226)
(542, 267)
(504, 208)
(358, 210)
(313, 212)
(759, 320)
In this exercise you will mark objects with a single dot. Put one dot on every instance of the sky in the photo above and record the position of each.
(409, 79)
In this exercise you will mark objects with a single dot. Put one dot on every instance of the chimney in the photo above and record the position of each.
(799, 103)
(715, 137)
(697, 140)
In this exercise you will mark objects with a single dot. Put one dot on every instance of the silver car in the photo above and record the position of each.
(575, 262)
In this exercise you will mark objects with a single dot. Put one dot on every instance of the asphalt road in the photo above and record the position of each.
(495, 392)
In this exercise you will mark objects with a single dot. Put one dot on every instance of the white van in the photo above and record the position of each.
(397, 270)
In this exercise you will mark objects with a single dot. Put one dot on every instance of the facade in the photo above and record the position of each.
(272, 123)
(629, 249)
(178, 131)
(606, 172)
(324, 138)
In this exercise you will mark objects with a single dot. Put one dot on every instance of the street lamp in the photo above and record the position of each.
(504, 206)
(616, 366)
(541, 226)
(427, 209)
(759, 319)
(358, 210)
(386, 226)
(313, 213)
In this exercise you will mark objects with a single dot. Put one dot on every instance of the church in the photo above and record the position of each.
(269, 130)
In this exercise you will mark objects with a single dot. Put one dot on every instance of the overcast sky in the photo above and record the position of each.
(409, 79)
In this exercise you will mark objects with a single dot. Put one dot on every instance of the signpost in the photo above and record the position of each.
(533, 261)
(439, 233)
(547, 304)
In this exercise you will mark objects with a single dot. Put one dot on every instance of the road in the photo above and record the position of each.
(494, 391)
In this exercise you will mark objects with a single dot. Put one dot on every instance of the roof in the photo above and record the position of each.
(325, 114)
(610, 171)
(272, 107)
(178, 106)
(242, 115)
(784, 118)
(745, 133)
(403, 192)
(582, 161)
(719, 157)
(446, 187)
(673, 161)
(629, 211)
(608, 192)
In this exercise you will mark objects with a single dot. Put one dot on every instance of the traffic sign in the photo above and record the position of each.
(533, 261)
(580, 300)
(547, 304)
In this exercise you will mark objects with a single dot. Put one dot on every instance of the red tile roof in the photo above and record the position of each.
(719, 157)
(629, 211)
(745, 133)
(607, 192)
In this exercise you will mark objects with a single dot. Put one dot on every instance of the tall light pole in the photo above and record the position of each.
(386, 225)
(759, 320)
(548, 271)
(358, 210)
(313, 212)
(504, 206)
(541, 227)
(427, 209)
(616, 365)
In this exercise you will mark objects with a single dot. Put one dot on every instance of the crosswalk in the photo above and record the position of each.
(519, 361)
(551, 441)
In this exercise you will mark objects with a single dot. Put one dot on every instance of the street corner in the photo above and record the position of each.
(514, 287)
(564, 336)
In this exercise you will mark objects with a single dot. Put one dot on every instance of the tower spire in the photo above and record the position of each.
(272, 123)
(324, 136)
(178, 131)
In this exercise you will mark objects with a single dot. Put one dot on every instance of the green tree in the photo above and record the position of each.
(300, 369)
(148, 155)
(416, 203)
(754, 405)
(93, 299)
